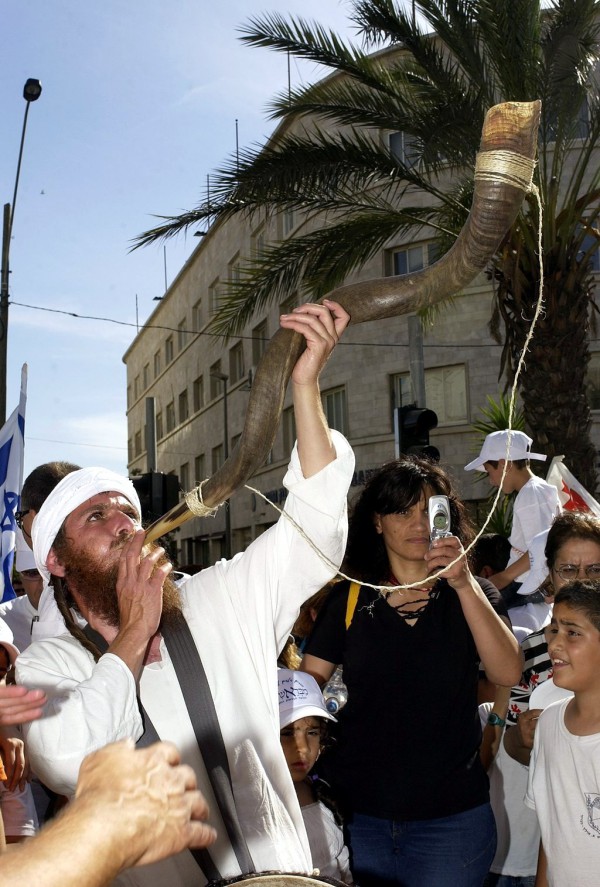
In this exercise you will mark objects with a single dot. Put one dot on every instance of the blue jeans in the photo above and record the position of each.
(455, 851)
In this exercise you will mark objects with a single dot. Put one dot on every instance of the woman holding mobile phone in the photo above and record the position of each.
(406, 763)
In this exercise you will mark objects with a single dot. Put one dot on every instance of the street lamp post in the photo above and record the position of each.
(224, 379)
(31, 93)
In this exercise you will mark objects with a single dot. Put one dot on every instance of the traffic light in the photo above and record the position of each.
(412, 425)
(158, 493)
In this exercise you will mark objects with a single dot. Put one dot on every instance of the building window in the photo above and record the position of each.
(130, 450)
(288, 221)
(234, 270)
(334, 405)
(216, 384)
(157, 364)
(590, 247)
(404, 148)
(129, 396)
(445, 392)
(288, 422)
(217, 458)
(197, 316)
(409, 259)
(169, 350)
(236, 362)
(258, 243)
(159, 426)
(198, 393)
(260, 340)
(184, 409)
(136, 387)
(181, 335)
(137, 447)
(235, 441)
(213, 297)
(145, 376)
(184, 477)
(170, 416)
(199, 469)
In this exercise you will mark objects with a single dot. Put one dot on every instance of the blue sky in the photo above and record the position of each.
(139, 104)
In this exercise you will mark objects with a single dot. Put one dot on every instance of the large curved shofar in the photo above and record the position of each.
(502, 177)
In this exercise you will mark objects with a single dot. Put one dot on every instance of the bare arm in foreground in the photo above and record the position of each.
(131, 808)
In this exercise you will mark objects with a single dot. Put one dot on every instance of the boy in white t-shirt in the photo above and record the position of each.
(536, 504)
(564, 773)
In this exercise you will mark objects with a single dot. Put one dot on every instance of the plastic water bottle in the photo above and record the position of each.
(335, 692)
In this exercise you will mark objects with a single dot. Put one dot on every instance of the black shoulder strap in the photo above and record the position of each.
(201, 708)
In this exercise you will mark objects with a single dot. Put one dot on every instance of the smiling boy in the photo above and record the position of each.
(564, 775)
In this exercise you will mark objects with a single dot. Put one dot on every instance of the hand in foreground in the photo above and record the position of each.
(18, 705)
(321, 326)
(146, 798)
(442, 552)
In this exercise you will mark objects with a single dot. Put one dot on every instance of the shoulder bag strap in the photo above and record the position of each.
(353, 593)
(201, 708)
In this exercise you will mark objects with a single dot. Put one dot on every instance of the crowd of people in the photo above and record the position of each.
(169, 747)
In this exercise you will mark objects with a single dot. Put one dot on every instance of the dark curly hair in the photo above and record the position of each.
(395, 488)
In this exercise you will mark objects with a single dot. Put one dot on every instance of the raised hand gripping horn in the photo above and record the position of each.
(503, 175)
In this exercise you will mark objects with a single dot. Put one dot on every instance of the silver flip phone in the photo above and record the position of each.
(439, 517)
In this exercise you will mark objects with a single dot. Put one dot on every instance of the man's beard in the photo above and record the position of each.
(95, 583)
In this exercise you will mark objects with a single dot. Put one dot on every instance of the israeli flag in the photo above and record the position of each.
(12, 447)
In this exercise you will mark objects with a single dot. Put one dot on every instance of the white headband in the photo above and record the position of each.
(72, 491)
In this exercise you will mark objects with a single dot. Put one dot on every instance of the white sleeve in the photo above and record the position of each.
(281, 569)
(89, 705)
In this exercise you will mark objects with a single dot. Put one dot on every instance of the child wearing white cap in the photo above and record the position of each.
(302, 716)
(536, 504)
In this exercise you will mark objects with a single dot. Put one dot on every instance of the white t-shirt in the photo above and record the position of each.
(535, 507)
(564, 791)
(240, 613)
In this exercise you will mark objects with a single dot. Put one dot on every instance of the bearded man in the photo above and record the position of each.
(239, 612)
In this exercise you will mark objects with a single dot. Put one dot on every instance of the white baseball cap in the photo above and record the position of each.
(538, 566)
(299, 697)
(496, 446)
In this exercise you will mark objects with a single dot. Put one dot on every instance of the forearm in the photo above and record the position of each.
(60, 855)
(541, 878)
(515, 747)
(511, 573)
(315, 447)
(130, 646)
(496, 644)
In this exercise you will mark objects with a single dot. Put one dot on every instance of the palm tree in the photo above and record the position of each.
(434, 85)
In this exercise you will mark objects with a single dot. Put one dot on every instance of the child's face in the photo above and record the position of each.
(574, 648)
(301, 743)
(495, 475)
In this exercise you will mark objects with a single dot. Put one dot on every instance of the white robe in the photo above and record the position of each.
(240, 613)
